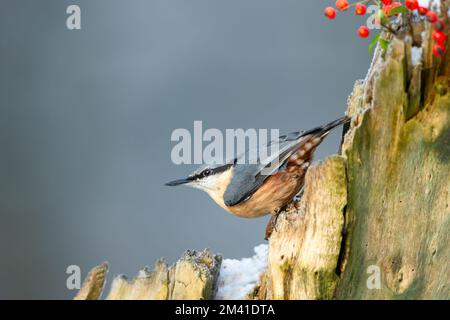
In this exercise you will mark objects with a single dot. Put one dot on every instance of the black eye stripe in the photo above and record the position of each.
(211, 171)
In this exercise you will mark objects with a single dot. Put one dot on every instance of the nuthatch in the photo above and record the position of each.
(247, 190)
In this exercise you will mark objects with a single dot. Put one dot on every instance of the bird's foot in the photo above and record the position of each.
(297, 198)
(272, 225)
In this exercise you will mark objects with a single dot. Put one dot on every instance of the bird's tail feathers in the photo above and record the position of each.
(327, 127)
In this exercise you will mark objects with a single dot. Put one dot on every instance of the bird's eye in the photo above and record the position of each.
(206, 172)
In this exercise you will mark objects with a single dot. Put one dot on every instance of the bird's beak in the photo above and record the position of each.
(178, 182)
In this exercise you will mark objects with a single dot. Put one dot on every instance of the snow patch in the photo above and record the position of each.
(416, 56)
(238, 277)
(424, 3)
(435, 4)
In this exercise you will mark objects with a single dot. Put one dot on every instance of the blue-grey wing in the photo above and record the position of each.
(250, 173)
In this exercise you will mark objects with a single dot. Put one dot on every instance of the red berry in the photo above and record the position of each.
(386, 2)
(330, 13)
(342, 5)
(439, 25)
(422, 11)
(360, 9)
(439, 36)
(438, 49)
(363, 32)
(432, 16)
(412, 4)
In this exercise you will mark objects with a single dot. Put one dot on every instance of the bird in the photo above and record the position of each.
(265, 186)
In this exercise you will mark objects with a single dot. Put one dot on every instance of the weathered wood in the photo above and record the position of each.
(93, 284)
(304, 248)
(398, 215)
(193, 277)
(147, 285)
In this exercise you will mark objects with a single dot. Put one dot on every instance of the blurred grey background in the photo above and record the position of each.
(86, 118)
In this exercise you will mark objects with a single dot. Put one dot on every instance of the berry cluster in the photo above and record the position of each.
(387, 10)
(438, 34)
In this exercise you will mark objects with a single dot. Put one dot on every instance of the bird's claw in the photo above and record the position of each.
(272, 225)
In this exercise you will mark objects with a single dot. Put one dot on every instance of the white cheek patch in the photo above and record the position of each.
(195, 185)
(210, 183)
